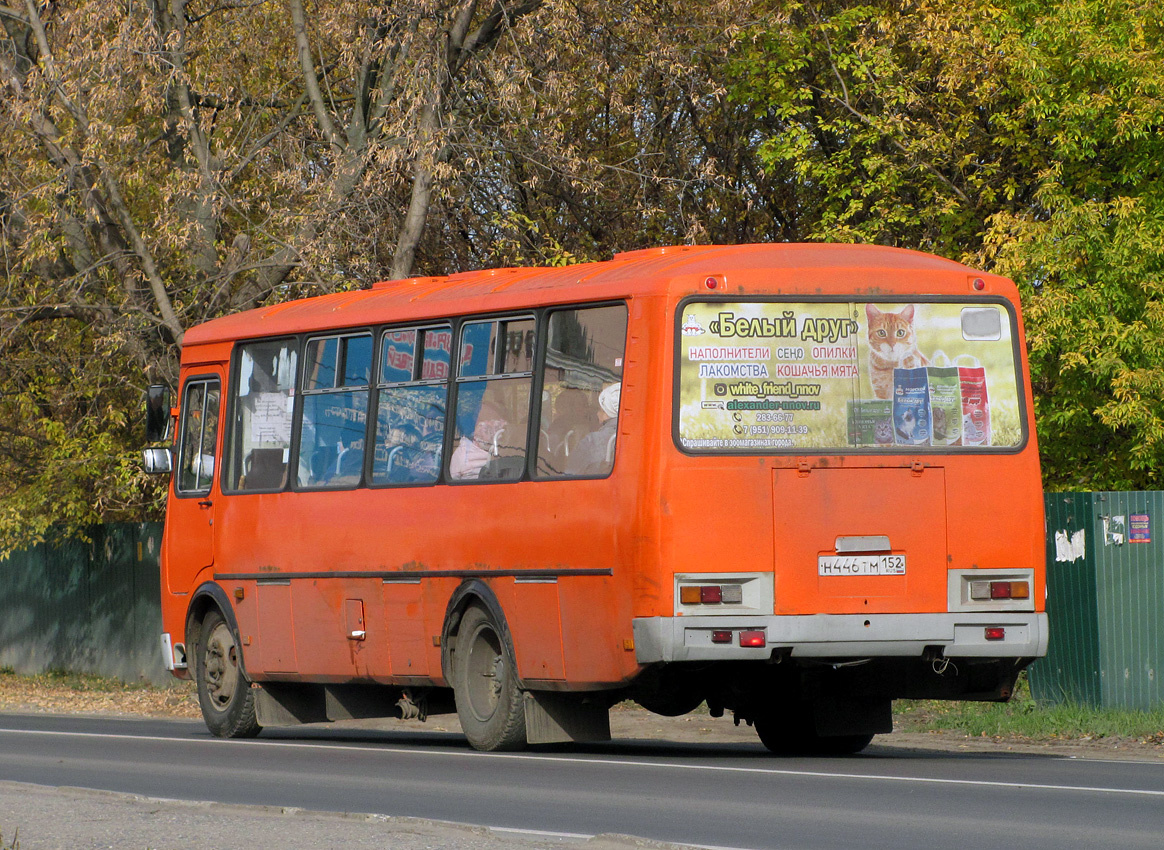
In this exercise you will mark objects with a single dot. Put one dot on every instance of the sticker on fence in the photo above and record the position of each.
(1140, 529)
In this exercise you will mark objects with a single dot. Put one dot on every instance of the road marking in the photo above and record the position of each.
(576, 761)
(541, 833)
(582, 836)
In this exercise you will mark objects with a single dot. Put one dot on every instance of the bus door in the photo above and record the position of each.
(190, 517)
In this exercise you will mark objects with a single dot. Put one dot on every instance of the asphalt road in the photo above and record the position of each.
(706, 794)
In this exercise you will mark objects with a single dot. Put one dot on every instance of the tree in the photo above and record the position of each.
(164, 163)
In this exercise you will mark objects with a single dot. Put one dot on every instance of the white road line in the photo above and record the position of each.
(576, 761)
(541, 833)
(581, 836)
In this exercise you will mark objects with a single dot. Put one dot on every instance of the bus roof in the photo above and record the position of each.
(627, 274)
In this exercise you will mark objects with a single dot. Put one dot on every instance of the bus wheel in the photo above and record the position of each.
(791, 734)
(224, 694)
(490, 705)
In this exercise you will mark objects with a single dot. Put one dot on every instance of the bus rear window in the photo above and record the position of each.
(822, 376)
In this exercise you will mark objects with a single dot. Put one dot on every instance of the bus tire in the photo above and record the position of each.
(490, 704)
(842, 745)
(224, 693)
(788, 734)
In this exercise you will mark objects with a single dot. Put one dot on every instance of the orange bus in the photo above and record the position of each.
(793, 482)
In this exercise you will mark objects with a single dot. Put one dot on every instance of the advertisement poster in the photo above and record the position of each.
(782, 376)
(1140, 529)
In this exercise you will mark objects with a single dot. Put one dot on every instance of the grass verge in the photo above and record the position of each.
(1024, 718)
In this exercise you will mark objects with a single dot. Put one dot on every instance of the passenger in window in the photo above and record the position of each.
(594, 455)
(573, 420)
(473, 452)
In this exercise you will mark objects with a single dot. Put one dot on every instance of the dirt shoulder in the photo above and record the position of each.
(82, 695)
(79, 695)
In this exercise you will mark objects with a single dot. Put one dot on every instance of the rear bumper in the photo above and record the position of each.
(959, 635)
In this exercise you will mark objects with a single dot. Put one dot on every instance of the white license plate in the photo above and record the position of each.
(861, 565)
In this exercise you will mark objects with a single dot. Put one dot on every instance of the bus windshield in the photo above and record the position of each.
(827, 376)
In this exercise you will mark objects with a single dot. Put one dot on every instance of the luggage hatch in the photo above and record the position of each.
(860, 540)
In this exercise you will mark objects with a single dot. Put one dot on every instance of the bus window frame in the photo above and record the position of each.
(233, 381)
(301, 393)
(547, 312)
(537, 315)
(422, 328)
(205, 380)
(853, 299)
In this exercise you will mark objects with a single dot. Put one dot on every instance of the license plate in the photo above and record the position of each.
(861, 565)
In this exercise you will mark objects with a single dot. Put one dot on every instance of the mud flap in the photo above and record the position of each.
(552, 718)
(289, 705)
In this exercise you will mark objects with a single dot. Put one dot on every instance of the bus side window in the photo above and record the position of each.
(581, 392)
(412, 400)
(336, 374)
(494, 377)
(259, 442)
(198, 436)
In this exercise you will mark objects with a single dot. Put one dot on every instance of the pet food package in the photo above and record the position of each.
(871, 422)
(945, 401)
(911, 406)
(975, 404)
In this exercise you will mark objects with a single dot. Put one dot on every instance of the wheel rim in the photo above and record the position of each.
(221, 665)
(484, 673)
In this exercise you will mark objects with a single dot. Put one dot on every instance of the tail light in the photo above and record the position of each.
(753, 637)
(711, 594)
(981, 590)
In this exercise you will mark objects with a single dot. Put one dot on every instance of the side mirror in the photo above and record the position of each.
(156, 461)
(157, 413)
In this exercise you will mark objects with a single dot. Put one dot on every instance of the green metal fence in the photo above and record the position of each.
(85, 607)
(1105, 576)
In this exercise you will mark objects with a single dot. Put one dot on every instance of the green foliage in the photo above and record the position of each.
(70, 439)
(877, 114)
(1093, 274)
(519, 237)
(1090, 250)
